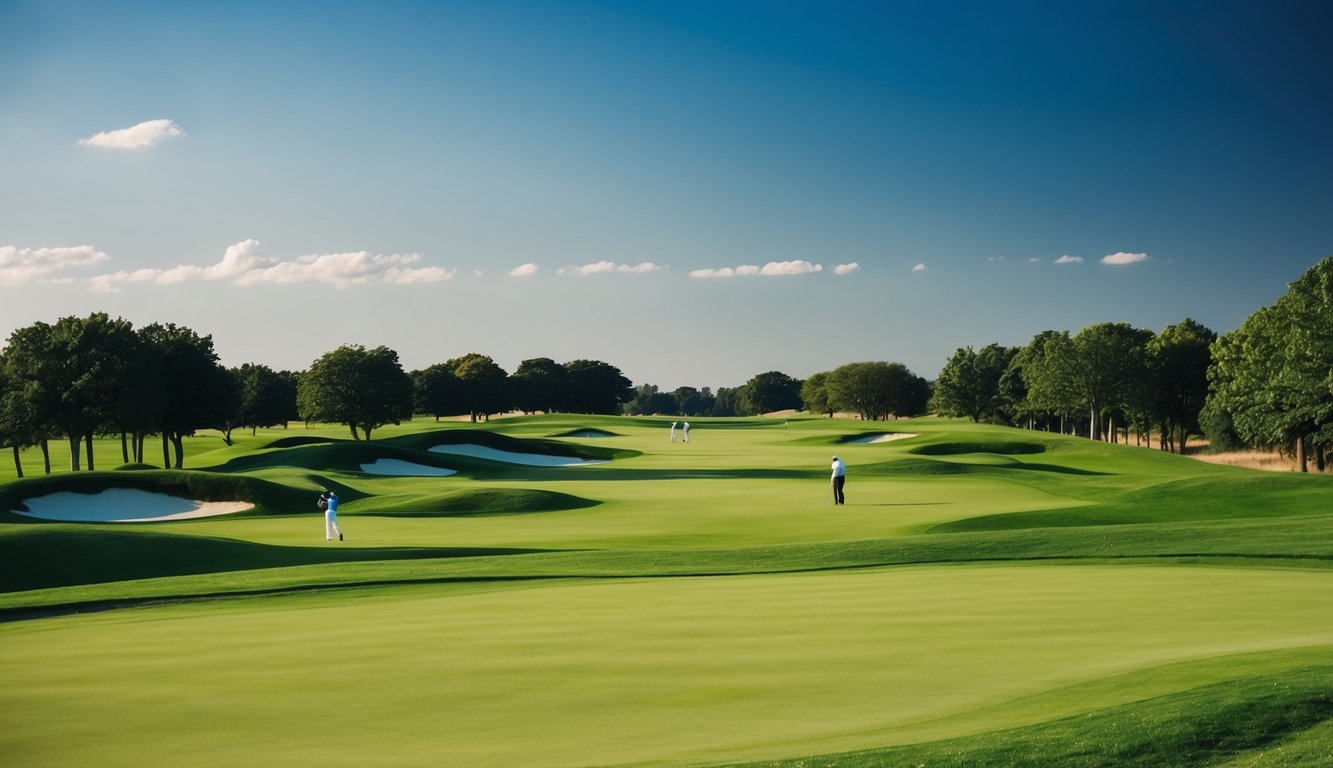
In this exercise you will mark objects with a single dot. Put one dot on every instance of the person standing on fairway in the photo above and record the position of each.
(838, 479)
(331, 515)
(673, 431)
(687, 431)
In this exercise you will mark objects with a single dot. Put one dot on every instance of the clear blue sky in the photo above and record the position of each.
(695, 192)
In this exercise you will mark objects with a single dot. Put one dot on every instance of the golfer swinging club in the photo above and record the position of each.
(329, 503)
(838, 479)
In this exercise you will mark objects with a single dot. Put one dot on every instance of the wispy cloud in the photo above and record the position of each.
(608, 266)
(1124, 258)
(771, 269)
(524, 270)
(24, 265)
(919, 268)
(1034, 260)
(1067, 259)
(140, 136)
(845, 269)
(242, 264)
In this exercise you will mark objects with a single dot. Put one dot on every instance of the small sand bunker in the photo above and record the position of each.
(509, 457)
(124, 505)
(882, 437)
(400, 468)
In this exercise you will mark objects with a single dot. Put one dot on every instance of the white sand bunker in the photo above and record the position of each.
(400, 468)
(509, 457)
(125, 505)
(882, 437)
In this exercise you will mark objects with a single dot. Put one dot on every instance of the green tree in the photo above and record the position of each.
(1047, 370)
(597, 387)
(267, 399)
(1178, 360)
(190, 387)
(362, 388)
(485, 384)
(815, 395)
(436, 391)
(1107, 368)
(539, 384)
(772, 391)
(1274, 374)
(877, 389)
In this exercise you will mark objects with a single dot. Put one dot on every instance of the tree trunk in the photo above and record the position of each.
(166, 451)
(355, 435)
(1094, 425)
(366, 429)
(124, 448)
(178, 440)
(18, 464)
(75, 450)
(1300, 455)
(88, 440)
(46, 456)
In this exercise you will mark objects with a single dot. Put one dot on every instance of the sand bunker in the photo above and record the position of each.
(124, 505)
(400, 468)
(509, 457)
(882, 437)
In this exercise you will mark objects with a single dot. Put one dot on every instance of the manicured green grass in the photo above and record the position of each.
(987, 597)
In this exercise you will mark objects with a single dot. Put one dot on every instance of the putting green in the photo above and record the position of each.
(652, 671)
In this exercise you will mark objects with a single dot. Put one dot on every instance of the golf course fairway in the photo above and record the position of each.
(988, 596)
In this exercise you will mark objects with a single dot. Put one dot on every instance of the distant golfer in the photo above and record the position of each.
(838, 479)
(687, 431)
(329, 502)
(673, 431)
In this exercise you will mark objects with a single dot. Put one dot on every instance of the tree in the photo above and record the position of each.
(436, 391)
(1178, 360)
(692, 402)
(726, 402)
(267, 398)
(772, 391)
(539, 384)
(815, 395)
(875, 390)
(1047, 370)
(362, 388)
(597, 387)
(485, 384)
(1274, 374)
(1108, 364)
(969, 384)
(15, 431)
(190, 387)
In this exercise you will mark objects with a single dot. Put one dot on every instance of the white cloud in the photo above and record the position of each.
(994, 258)
(1034, 260)
(1067, 259)
(771, 269)
(919, 268)
(524, 270)
(1124, 258)
(846, 269)
(145, 134)
(22, 265)
(243, 265)
(608, 266)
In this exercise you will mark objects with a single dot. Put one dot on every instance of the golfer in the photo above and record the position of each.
(331, 516)
(673, 431)
(839, 477)
(687, 431)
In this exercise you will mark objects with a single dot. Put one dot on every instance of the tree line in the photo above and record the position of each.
(1266, 384)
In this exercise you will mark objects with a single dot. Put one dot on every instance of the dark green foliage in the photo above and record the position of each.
(596, 387)
(484, 502)
(772, 391)
(363, 388)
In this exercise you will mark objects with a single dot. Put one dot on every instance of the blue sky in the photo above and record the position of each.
(695, 192)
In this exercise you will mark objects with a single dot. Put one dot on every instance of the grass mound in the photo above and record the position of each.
(585, 432)
(483, 502)
(298, 441)
(1001, 447)
(268, 497)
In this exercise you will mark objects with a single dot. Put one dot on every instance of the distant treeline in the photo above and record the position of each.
(1268, 383)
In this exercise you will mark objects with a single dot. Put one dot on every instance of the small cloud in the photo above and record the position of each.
(1034, 260)
(145, 134)
(994, 258)
(241, 264)
(846, 269)
(23, 265)
(524, 270)
(920, 267)
(1067, 259)
(608, 266)
(771, 269)
(1124, 258)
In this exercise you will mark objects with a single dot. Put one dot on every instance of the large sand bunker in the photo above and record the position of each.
(882, 437)
(124, 505)
(509, 457)
(400, 468)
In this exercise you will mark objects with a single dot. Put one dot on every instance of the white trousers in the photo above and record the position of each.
(331, 524)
